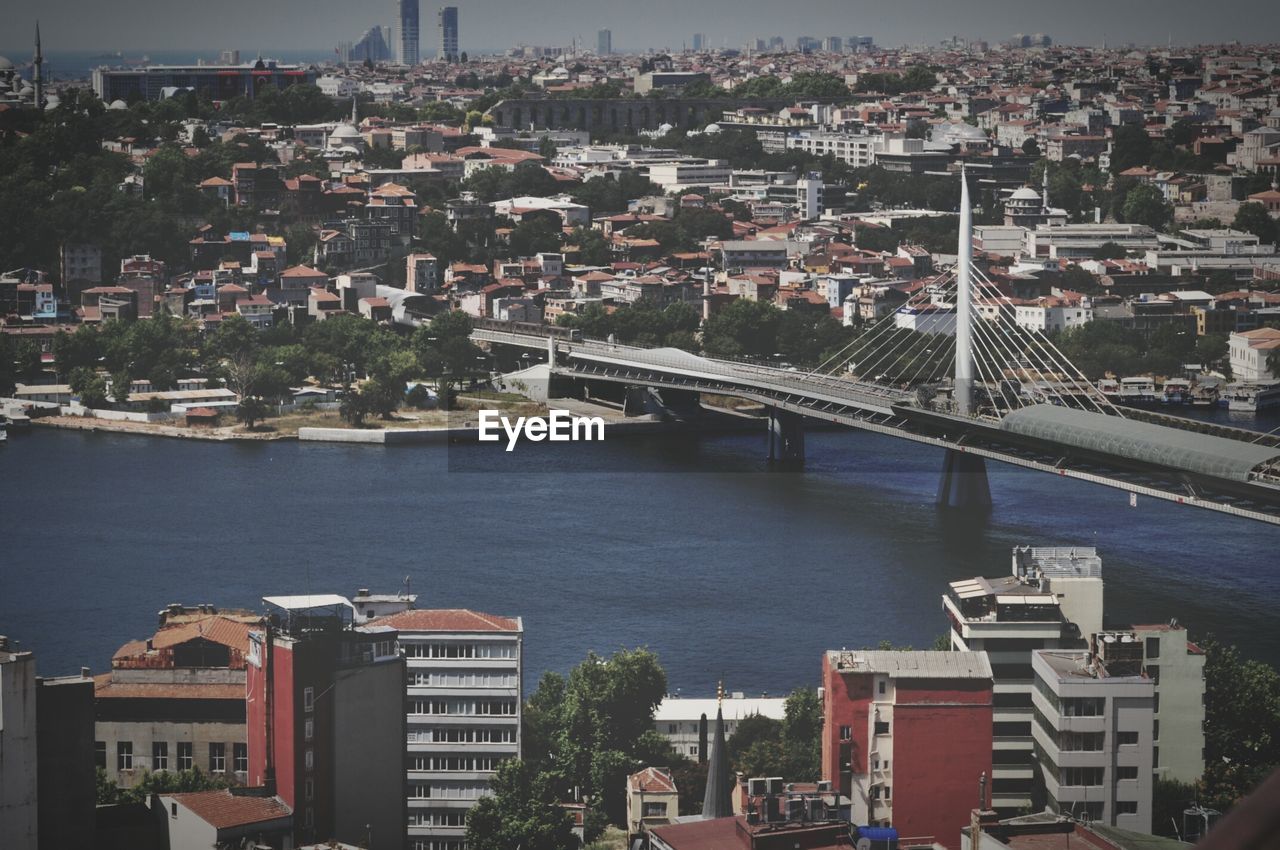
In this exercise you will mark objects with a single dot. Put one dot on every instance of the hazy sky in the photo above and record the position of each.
(252, 25)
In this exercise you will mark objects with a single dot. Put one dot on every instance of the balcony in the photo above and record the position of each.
(1011, 742)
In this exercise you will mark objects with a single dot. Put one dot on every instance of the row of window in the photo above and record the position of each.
(462, 679)
(439, 844)
(438, 817)
(462, 763)
(448, 790)
(463, 735)
(460, 650)
(127, 759)
(477, 707)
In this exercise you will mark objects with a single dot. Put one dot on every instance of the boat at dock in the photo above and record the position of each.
(1176, 391)
(1253, 397)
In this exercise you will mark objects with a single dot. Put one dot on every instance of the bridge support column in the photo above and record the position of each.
(786, 437)
(964, 482)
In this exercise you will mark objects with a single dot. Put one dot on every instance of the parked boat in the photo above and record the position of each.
(1251, 397)
(1110, 388)
(1138, 389)
(1176, 391)
(1205, 395)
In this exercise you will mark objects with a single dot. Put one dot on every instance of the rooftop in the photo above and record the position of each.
(912, 665)
(225, 809)
(450, 620)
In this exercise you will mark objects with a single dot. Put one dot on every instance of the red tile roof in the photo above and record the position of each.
(651, 779)
(223, 810)
(449, 620)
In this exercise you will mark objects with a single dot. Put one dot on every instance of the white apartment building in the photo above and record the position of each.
(856, 149)
(1176, 666)
(1249, 352)
(1053, 314)
(464, 708)
(1093, 728)
(678, 176)
(1052, 600)
(680, 719)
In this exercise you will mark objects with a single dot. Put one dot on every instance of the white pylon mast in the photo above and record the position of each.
(964, 304)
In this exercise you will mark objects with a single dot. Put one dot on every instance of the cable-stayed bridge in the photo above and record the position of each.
(951, 368)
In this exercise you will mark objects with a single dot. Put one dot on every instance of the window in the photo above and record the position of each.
(1155, 730)
(309, 819)
(217, 758)
(308, 699)
(240, 755)
(310, 758)
(184, 755)
(881, 687)
(1083, 776)
(655, 810)
(693, 751)
(1125, 772)
(309, 787)
(846, 733)
(1153, 647)
(888, 792)
(882, 727)
(124, 755)
(160, 755)
(1127, 807)
(173, 810)
(100, 754)
(1153, 672)
(1155, 756)
(309, 729)
(1155, 703)
(671, 728)
(1125, 738)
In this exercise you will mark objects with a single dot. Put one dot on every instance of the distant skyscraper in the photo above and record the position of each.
(449, 33)
(699, 41)
(371, 46)
(604, 42)
(835, 44)
(409, 32)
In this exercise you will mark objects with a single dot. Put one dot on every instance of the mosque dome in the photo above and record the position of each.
(1026, 193)
(712, 128)
(118, 104)
(344, 133)
(51, 102)
(6, 64)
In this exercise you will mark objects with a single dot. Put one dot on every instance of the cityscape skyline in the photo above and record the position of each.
(493, 25)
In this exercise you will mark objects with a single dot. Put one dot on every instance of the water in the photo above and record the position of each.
(684, 544)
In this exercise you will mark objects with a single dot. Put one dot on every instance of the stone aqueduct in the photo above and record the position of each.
(616, 115)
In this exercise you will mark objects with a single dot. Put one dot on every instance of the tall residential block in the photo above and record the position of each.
(907, 737)
(326, 720)
(1176, 667)
(408, 32)
(464, 698)
(18, 775)
(1094, 716)
(448, 18)
(604, 42)
(1051, 600)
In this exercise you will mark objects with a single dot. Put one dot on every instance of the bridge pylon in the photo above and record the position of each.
(786, 437)
(963, 484)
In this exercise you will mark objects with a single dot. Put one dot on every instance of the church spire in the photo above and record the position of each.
(718, 800)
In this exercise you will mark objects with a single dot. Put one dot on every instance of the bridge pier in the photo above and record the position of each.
(786, 437)
(964, 482)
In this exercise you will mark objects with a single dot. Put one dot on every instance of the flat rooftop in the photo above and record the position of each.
(927, 664)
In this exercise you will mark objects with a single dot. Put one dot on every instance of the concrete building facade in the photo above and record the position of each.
(907, 737)
(464, 697)
(18, 775)
(1093, 733)
(1010, 617)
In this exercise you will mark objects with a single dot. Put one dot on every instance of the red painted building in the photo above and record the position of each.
(326, 721)
(907, 737)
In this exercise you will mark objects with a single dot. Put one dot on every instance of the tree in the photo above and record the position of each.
(743, 328)
(522, 811)
(1146, 205)
(1131, 147)
(354, 407)
(251, 410)
(1241, 722)
(120, 383)
(89, 386)
(1030, 146)
(1110, 251)
(1252, 217)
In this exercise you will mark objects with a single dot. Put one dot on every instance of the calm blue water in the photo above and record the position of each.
(687, 545)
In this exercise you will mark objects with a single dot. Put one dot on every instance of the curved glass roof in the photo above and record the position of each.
(1146, 442)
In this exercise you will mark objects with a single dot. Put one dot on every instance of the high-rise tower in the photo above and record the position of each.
(449, 33)
(408, 32)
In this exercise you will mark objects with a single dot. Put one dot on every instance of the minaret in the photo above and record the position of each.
(717, 802)
(964, 303)
(37, 79)
(355, 114)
